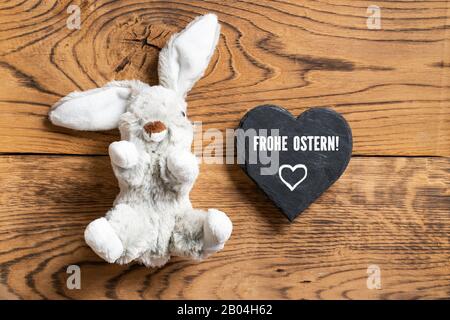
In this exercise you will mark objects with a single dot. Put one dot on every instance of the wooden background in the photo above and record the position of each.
(391, 208)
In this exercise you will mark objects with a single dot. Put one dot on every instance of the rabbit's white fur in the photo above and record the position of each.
(152, 217)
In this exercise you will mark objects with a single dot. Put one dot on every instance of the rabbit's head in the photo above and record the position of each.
(155, 118)
(152, 115)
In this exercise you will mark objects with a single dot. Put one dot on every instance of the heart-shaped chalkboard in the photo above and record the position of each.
(293, 160)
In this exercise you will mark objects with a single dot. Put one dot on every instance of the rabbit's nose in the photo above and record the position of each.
(156, 130)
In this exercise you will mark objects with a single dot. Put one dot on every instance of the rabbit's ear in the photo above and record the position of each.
(96, 109)
(186, 55)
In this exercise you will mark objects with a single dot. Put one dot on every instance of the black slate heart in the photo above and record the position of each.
(300, 176)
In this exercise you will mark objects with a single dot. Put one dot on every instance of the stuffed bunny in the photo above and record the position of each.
(152, 218)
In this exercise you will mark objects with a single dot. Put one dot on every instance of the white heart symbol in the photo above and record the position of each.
(292, 168)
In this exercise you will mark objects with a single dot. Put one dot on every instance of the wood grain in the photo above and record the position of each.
(392, 212)
(391, 84)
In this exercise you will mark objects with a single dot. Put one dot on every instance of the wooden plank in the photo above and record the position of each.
(391, 84)
(390, 212)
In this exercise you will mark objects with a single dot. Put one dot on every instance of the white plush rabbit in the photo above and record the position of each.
(152, 218)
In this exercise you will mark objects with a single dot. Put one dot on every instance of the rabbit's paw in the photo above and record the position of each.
(123, 154)
(216, 230)
(183, 165)
(103, 240)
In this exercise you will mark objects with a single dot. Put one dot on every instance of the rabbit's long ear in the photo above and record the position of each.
(186, 55)
(96, 109)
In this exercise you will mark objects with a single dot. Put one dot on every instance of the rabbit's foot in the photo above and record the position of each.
(103, 240)
(151, 261)
(217, 229)
(123, 154)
